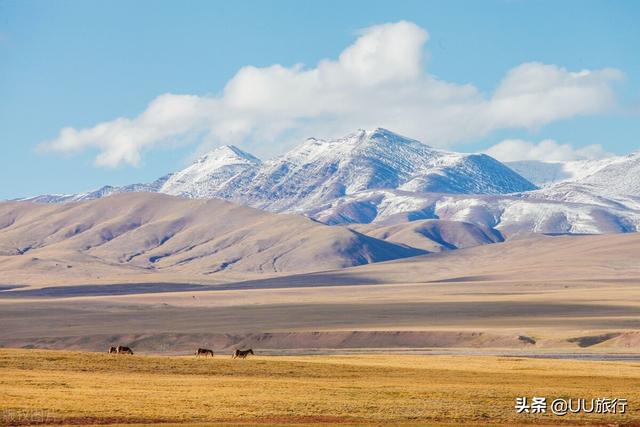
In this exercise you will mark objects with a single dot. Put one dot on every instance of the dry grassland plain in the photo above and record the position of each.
(79, 388)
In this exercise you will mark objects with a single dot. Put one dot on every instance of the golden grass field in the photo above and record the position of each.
(90, 388)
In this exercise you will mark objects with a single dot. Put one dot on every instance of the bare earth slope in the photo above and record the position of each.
(131, 269)
(433, 235)
(141, 233)
(533, 258)
(575, 293)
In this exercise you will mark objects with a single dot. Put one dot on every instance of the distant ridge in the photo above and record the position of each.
(142, 233)
(378, 176)
(319, 170)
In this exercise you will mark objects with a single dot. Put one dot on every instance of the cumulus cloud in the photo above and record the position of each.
(379, 80)
(511, 150)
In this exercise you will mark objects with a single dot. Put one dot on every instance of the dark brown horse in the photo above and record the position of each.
(124, 350)
(204, 352)
(112, 349)
(241, 354)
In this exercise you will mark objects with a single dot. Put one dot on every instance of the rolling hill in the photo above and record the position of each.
(139, 233)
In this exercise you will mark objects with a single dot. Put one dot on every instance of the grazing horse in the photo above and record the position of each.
(204, 352)
(112, 349)
(124, 350)
(241, 354)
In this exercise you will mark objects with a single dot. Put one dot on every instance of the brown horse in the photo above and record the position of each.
(124, 350)
(112, 349)
(204, 352)
(241, 354)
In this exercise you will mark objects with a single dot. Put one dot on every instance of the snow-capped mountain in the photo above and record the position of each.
(544, 174)
(617, 175)
(209, 173)
(612, 182)
(595, 196)
(319, 171)
(619, 171)
(379, 176)
(509, 214)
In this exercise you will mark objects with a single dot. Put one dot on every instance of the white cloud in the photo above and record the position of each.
(379, 80)
(511, 150)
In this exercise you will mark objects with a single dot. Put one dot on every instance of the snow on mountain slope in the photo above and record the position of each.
(318, 171)
(616, 175)
(576, 192)
(547, 173)
(612, 182)
(210, 172)
(101, 192)
(509, 214)
(620, 175)
(599, 196)
(379, 176)
(196, 181)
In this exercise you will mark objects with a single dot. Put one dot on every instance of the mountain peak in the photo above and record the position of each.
(228, 153)
(321, 171)
(210, 171)
(382, 132)
(380, 135)
(359, 135)
(377, 132)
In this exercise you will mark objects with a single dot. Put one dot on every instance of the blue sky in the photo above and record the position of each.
(80, 63)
